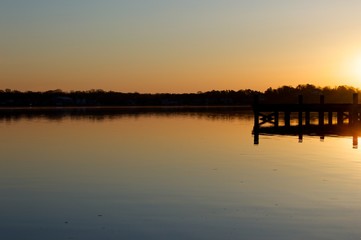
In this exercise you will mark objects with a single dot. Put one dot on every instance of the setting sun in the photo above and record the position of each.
(355, 68)
(349, 69)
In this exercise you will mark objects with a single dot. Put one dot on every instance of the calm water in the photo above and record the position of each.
(173, 176)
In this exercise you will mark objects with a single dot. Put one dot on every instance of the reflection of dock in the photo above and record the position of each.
(330, 119)
(311, 130)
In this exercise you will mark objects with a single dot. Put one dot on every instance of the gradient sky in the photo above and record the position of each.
(178, 45)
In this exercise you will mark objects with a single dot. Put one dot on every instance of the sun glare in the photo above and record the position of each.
(350, 73)
(355, 68)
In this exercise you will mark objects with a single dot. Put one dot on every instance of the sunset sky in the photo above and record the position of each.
(176, 46)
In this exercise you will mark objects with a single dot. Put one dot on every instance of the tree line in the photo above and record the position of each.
(284, 94)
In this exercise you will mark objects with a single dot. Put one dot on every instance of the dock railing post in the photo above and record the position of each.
(339, 118)
(255, 110)
(321, 117)
(300, 119)
(354, 114)
(287, 118)
(307, 117)
(276, 119)
(256, 119)
(300, 110)
(330, 115)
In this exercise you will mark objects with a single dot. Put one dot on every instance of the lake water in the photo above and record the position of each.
(180, 175)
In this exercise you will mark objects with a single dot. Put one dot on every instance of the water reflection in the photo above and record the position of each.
(171, 175)
(108, 113)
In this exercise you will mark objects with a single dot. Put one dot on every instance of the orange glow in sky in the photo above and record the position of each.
(178, 46)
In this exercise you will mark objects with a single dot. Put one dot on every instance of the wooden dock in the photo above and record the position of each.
(270, 113)
(310, 119)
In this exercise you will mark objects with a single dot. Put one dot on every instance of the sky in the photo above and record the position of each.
(151, 46)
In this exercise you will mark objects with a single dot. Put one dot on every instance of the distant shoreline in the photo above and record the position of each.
(226, 98)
